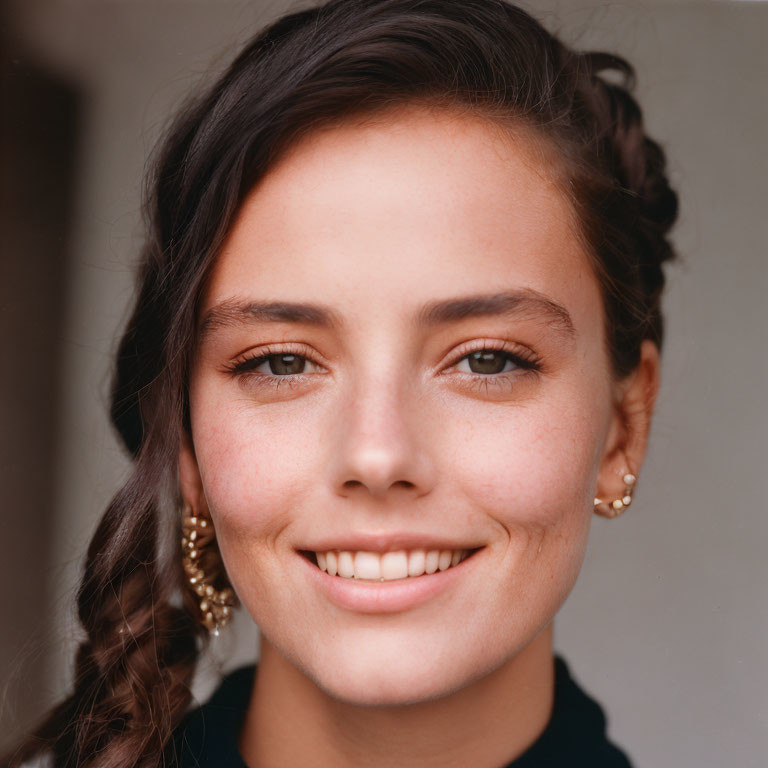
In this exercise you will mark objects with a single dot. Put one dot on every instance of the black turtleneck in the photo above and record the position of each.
(575, 735)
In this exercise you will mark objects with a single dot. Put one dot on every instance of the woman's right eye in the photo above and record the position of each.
(279, 364)
(273, 368)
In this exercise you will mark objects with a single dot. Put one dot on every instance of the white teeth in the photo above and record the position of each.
(367, 565)
(390, 566)
(394, 565)
(346, 565)
(417, 562)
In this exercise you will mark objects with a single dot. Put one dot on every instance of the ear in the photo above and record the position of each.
(635, 397)
(190, 482)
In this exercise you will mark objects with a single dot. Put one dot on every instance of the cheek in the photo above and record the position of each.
(249, 461)
(540, 456)
(532, 468)
(250, 465)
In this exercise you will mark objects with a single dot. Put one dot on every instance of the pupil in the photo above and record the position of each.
(486, 361)
(279, 363)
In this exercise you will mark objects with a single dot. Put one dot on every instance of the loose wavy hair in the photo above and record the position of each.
(312, 68)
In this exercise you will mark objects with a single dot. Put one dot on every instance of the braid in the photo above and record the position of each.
(637, 161)
(132, 671)
(625, 200)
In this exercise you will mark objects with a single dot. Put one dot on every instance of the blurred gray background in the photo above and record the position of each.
(668, 624)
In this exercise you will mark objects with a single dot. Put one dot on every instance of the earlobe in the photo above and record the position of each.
(190, 482)
(631, 425)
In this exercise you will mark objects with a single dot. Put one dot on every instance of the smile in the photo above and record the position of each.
(356, 587)
(388, 566)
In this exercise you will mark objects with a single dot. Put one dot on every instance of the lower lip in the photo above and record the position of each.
(387, 596)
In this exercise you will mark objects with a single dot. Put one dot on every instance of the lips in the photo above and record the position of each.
(389, 596)
(383, 542)
(387, 555)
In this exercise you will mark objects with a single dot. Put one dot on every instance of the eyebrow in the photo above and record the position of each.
(521, 302)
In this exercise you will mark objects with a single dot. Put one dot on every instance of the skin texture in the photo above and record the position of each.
(389, 429)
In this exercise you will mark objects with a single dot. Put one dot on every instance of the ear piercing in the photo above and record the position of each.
(215, 604)
(617, 506)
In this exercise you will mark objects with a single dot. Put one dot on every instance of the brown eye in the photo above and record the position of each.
(285, 364)
(495, 365)
(488, 361)
(275, 365)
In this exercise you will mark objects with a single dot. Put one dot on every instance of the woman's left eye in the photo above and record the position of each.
(490, 361)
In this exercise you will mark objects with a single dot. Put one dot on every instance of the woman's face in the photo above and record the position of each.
(377, 423)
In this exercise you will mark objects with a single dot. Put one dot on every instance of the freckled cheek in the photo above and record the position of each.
(249, 464)
(530, 469)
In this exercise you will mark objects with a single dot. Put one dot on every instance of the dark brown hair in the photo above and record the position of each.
(308, 69)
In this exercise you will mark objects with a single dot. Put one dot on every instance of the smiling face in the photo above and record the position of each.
(375, 412)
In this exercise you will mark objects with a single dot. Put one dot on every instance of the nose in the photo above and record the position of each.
(383, 445)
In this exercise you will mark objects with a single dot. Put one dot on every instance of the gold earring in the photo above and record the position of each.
(215, 604)
(617, 506)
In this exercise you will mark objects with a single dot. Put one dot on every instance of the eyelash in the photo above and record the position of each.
(526, 362)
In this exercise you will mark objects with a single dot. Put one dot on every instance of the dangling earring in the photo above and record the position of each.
(617, 506)
(215, 604)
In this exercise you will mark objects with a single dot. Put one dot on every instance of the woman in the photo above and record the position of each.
(396, 339)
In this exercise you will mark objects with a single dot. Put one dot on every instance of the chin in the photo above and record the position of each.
(394, 688)
(387, 674)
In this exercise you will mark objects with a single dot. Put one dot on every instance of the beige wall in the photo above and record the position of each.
(668, 623)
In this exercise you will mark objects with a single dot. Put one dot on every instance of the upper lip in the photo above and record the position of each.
(386, 542)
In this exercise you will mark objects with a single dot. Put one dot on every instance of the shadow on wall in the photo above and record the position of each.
(39, 116)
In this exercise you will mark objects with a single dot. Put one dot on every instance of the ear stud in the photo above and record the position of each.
(617, 506)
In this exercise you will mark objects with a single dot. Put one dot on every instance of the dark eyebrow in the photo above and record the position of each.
(236, 312)
(524, 301)
(518, 302)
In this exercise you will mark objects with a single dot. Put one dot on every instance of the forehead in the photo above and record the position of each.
(380, 215)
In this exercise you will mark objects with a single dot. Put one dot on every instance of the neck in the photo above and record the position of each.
(490, 722)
